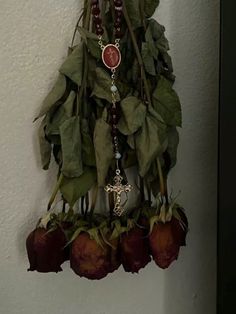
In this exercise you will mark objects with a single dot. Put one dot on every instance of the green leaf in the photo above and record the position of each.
(103, 149)
(63, 113)
(173, 142)
(54, 96)
(88, 152)
(91, 41)
(148, 59)
(150, 7)
(150, 43)
(102, 86)
(72, 165)
(131, 141)
(150, 141)
(73, 66)
(166, 102)
(91, 72)
(45, 146)
(133, 115)
(133, 11)
(157, 31)
(74, 188)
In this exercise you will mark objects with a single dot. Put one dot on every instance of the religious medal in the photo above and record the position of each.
(111, 58)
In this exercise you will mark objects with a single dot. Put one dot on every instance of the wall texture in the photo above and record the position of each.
(34, 36)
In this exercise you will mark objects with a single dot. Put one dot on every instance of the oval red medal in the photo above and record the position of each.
(111, 56)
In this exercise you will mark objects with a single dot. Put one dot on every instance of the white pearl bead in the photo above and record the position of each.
(118, 155)
(114, 89)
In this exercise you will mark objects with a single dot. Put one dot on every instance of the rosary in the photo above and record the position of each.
(111, 58)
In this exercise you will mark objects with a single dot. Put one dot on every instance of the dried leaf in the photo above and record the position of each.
(149, 141)
(166, 102)
(91, 41)
(54, 96)
(72, 165)
(133, 115)
(45, 146)
(103, 149)
(88, 152)
(63, 113)
(148, 60)
(150, 7)
(173, 142)
(74, 188)
(102, 86)
(73, 66)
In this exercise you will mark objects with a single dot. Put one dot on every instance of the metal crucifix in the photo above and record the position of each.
(118, 189)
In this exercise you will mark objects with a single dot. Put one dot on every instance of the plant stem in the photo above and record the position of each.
(139, 57)
(86, 24)
(76, 29)
(55, 191)
(161, 178)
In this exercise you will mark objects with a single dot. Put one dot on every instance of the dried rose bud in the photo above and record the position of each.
(164, 245)
(46, 250)
(114, 252)
(134, 250)
(89, 259)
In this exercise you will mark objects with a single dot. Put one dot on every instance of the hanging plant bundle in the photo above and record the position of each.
(113, 107)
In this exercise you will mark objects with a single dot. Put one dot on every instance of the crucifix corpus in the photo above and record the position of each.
(118, 189)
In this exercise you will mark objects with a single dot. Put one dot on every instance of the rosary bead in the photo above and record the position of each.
(113, 89)
(118, 33)
(94, 2)
(97, 21)
(99, 31)
(117, 24)
(118, 155)
(114, 132)
(118, 3)
(96, 10)
(118, 20)
(118, 14)
(114, 120)
(113, 111)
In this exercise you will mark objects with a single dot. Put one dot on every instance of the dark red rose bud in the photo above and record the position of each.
(89, 259)
(134, 250)
(180, 228)
(115, 259)
(164, 246)
(46, 250)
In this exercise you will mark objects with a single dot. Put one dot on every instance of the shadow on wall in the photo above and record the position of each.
(190, 284)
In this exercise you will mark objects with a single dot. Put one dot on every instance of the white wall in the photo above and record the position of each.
(34, 36)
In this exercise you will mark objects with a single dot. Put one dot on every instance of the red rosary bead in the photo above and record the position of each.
(97, 20)
(117, 24)
(96, 10)
(118, 20)
(118, 13)
(118, 33)
(94, 2)
(99, 31)
(118, 3)
(114, 132)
